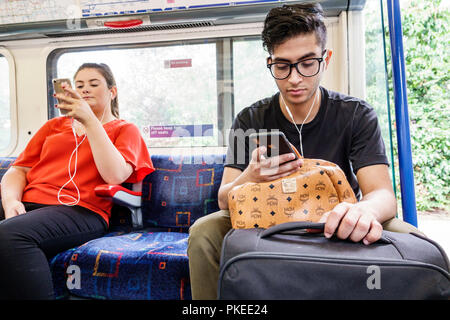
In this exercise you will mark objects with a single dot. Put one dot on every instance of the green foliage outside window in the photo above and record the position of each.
(426, 44)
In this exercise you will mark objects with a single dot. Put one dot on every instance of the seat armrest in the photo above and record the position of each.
(123, 197)
(119, 195)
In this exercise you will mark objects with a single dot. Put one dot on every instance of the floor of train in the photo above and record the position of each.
(436, 226)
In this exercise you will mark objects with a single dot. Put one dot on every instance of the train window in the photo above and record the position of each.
(173, 91)
(5, 113)
(375, 85)
(249, 74)
(186, 93)
(169, 91)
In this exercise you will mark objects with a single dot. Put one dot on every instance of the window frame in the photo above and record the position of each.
(12, 102)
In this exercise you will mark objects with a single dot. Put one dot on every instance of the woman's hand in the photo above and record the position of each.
(13, 208)
(13, 183)
(76, 106)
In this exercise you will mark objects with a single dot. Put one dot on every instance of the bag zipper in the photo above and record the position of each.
(329, 259)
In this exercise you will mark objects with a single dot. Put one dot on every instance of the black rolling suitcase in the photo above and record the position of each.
(286, 262)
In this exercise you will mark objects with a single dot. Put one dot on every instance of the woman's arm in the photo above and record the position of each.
(13, 183)
(109, 161)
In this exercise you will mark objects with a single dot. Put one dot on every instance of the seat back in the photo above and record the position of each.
(181, 190)
(5, 163)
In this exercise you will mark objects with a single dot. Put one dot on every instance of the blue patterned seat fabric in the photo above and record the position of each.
(150, 263)
(140, 265)
(5, 163)
(181, 190)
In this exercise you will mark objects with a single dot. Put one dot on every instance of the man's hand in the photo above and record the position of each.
(260, 169)
(362, 220)
(352, 221)
(263, 169)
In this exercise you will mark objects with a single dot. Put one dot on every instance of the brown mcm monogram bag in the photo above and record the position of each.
(302, 196)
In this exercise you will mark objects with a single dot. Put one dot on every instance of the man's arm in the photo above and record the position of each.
(229, 181)
(362, 220)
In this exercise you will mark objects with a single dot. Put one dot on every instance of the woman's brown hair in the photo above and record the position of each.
(106, 72)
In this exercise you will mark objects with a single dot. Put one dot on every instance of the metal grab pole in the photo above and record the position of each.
(401, 113)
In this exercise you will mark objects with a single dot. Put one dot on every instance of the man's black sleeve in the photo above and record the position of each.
(367, 143)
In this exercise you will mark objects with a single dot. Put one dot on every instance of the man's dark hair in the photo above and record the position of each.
(283, 23)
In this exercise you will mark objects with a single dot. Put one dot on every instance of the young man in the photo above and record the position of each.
(320, 123)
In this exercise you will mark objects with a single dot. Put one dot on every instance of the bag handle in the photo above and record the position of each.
(289, 226)
(300, 225)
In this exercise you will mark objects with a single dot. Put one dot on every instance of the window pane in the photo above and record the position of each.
(5, 109)
(252, 79)
(166, 90)
(376, 91)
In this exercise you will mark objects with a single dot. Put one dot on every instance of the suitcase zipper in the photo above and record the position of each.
(333, 259)
(330, 259)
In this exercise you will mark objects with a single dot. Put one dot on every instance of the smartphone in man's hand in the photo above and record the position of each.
(275, 142)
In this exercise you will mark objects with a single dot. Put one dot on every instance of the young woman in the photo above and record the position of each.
(48, 199)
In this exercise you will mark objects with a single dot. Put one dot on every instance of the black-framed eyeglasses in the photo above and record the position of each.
(307, 67)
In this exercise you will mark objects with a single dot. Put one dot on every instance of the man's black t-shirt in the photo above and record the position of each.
(345, 131)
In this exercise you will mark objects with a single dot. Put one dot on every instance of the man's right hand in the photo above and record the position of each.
(262, 169)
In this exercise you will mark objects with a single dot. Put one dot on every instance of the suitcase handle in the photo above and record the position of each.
(299, 225)
(288, 226)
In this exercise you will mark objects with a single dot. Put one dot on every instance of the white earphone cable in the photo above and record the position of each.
(293, 121)
(73, 201)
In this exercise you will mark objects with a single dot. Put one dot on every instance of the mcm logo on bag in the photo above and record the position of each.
(333, 199)
(256, 214)
(289, 211)
(272, 201)
(320, 211)
(374, 280)
(304, 197)
(241, 198)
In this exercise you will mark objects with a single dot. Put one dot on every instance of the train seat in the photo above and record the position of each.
(5, 163)
(148, 263)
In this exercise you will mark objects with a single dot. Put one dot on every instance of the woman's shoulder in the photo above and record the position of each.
(120, 125)
(58, 123)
